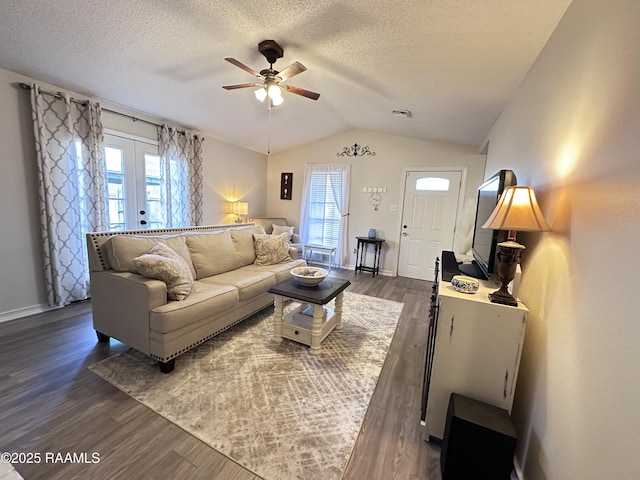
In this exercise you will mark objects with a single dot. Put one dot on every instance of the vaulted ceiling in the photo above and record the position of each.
(452, 63)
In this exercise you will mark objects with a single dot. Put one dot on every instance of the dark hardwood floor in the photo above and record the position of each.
(49, 402)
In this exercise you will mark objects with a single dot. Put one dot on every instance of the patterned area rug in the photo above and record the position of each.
(272, 407)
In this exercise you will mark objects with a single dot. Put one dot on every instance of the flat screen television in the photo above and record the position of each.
(484, 242)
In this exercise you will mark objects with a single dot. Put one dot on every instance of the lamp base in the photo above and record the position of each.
(509, 255)
(503, 296)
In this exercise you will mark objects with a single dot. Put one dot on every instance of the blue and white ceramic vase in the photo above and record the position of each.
(372, 233)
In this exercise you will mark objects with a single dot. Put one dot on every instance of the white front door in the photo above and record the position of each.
(428, 220)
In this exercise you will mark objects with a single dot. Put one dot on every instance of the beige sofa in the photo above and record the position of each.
(231, 266)
(268, 222)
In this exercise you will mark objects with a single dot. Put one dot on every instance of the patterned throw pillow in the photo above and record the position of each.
(163, 263)
(271, 249)
(282, 229)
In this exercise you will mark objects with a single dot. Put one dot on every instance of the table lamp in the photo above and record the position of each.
(517, 210)
(239, 209)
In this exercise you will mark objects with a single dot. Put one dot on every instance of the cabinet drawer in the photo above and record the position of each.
(296, 333)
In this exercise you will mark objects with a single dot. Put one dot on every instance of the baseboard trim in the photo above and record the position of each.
(24, 312)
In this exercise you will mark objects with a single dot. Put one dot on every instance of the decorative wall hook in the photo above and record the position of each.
(375, 198)
(355, 150)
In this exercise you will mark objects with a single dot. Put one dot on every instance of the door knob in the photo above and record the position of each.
(142, 212)
(404, 234)
(143, 222)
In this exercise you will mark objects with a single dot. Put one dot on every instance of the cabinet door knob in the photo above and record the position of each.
(143, 222)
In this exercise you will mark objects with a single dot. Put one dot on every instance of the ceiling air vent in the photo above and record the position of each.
(401, 113)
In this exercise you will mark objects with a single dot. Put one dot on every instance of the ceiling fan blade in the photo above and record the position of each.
(292, 70)
(241, 85)
(301, 91)
(243, 66)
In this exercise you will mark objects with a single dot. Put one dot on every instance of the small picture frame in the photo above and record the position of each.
(286, 184)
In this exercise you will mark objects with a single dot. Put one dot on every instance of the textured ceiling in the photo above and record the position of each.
(452, 63)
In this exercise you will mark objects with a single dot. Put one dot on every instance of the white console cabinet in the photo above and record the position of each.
(476, 351)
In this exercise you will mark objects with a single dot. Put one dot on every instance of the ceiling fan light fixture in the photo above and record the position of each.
(271, 88)
(261, 94)
(274, 91)
(275, 101)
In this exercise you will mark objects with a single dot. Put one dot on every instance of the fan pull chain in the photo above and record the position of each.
(269, 128)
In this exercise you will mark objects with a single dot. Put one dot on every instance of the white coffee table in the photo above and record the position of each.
(311, 322)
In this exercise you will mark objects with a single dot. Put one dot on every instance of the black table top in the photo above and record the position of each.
(321, 294)
(370, 240)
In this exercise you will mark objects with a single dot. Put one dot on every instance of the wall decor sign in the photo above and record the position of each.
(286, 182)
(355, 150)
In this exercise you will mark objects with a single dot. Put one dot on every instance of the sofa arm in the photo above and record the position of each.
(121, 304)
(295, 238)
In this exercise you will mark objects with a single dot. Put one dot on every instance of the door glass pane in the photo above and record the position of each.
(115, 183)
(432, 184)
(154, 191)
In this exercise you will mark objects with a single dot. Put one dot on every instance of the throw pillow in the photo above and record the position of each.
(122, 249)
(163, 263)
(271, 249)
(280, 229)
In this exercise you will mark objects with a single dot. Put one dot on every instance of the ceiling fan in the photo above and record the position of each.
(272, 80)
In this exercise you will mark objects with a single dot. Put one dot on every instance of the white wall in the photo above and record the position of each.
(230, 173)
(573, 131)
(393, 154)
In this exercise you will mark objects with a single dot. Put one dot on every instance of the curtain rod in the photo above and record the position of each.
(26, 86)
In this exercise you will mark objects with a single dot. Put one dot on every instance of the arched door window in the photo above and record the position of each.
(432, 184)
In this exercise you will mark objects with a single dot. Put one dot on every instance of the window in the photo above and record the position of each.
(432, 184)
(325, 207)
(324, 215)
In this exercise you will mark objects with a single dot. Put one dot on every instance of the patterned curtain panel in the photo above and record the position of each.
(181, 154)
(72, 189)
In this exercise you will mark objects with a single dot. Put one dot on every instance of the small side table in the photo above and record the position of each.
(363, 243)
(329, 251)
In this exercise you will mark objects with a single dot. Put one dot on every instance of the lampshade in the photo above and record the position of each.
(518, 210)
(240, 208)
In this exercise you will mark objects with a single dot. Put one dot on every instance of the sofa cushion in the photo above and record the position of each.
(280, 270)
(202, 303)
(243, 242)
(122, 249)
(162, 263)
(280, 230)
(250, 284)
(212, 253)
(271, 250)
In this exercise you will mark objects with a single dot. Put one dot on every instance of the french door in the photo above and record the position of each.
(134, 176)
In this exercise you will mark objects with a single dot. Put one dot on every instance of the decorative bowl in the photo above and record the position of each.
(465, 284)
(309, 276)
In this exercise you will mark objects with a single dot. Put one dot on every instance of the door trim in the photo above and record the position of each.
(461, 196)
